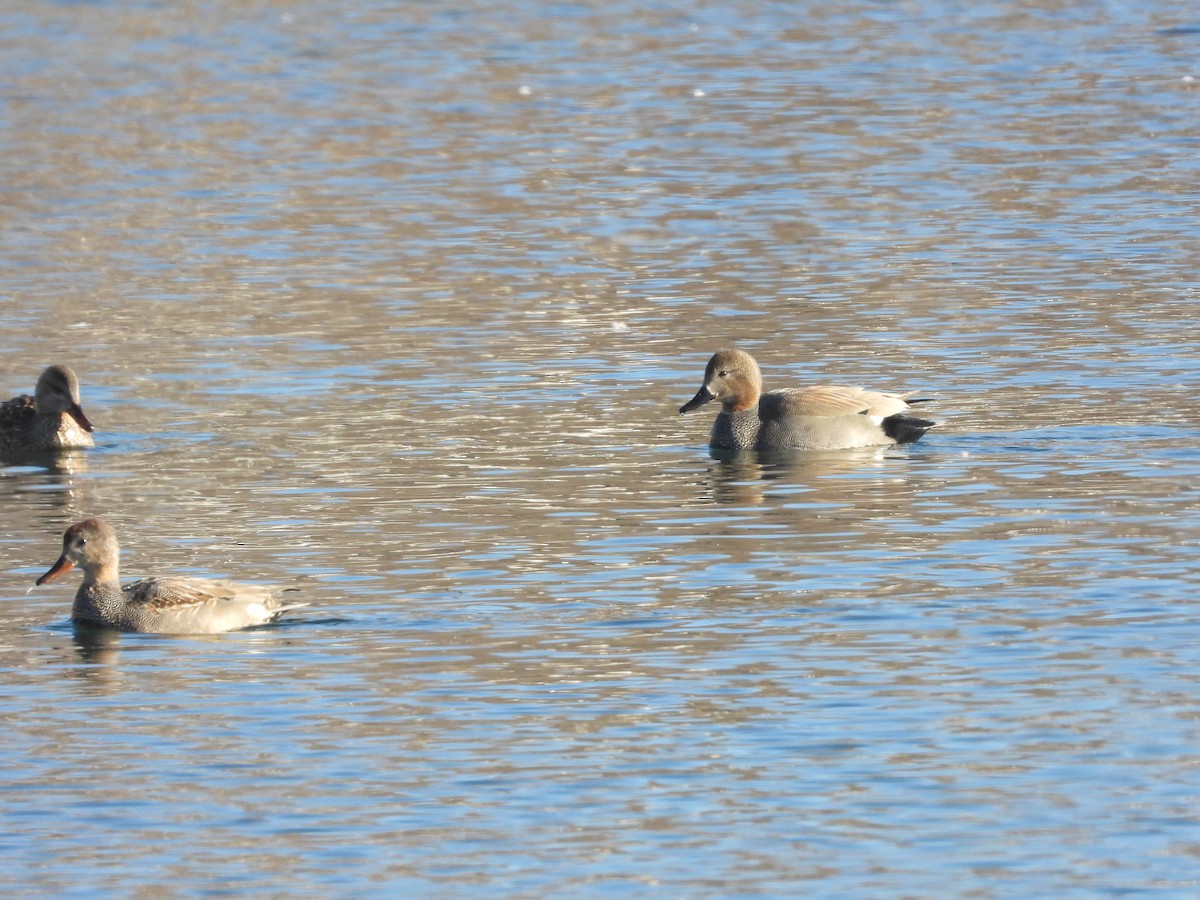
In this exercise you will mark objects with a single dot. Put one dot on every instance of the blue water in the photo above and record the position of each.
(396, 304)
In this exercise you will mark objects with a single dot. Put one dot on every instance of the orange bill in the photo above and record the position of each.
(63, 565)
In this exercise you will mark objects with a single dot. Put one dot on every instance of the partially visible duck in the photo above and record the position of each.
(823, 417)
(52, 419)
(154, 605)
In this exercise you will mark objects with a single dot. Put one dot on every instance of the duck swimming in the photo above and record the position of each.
(823, 417)
(154, 605)
(52, 419)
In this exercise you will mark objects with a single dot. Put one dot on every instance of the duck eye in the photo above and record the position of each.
(723, 373)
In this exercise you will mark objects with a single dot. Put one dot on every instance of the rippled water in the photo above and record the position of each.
(397, 304)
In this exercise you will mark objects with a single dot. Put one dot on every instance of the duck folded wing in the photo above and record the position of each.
(19, 409)
(819, 402)
(828, 400)
(186, 606)
(17, 415)
(165, 594)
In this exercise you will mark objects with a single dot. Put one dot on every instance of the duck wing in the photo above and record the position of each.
(164, 594)
(830, 400)
(18, 413)
(819, 401)
(199, 606)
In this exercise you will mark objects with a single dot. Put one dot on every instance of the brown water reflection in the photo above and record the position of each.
(397, 304)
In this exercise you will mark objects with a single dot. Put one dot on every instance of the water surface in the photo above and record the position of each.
(396, 303)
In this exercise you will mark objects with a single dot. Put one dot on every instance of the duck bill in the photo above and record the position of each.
(702, 396)
(76, 413)
(63, 565)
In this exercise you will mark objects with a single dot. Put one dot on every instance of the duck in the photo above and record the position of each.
(52, 419)
(154, 605)
(821, 417)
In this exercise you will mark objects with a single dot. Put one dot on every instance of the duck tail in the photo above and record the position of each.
(906, 429)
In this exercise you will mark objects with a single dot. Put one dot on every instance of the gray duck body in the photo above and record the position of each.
(822, 417)
(154, 605)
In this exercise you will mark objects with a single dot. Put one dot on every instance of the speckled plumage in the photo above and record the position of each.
(823, 417)
(154, 605)
(52, 419)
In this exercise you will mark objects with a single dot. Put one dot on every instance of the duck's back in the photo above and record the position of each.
(196, 606)
(824, 417)
(17, 417)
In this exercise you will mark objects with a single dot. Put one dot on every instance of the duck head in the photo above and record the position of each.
(57, 391)
(90, 544)
(732, 377)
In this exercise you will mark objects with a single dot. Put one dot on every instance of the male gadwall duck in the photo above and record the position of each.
(824, 417)
(51, 419)
(154, 605)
